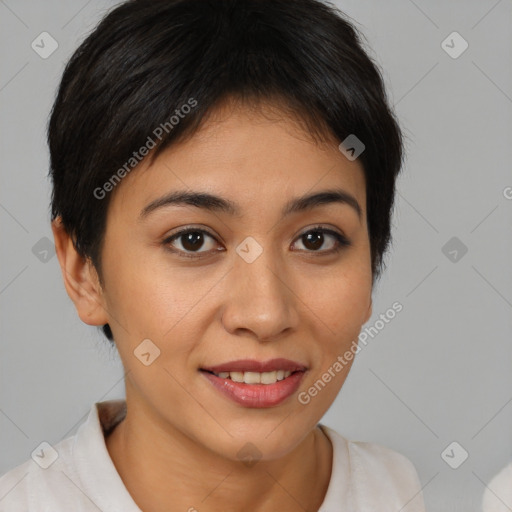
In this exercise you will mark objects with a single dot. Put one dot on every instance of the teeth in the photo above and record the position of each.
(237, 376)
(268, 377)
(252, 377)
(255, 377)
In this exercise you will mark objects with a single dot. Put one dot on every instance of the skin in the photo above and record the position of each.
(177, 447)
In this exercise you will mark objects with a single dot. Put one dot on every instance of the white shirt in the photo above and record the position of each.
(365, 477)
(498, 494)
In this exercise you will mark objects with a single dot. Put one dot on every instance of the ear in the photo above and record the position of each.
(369, 312)
(80, 278)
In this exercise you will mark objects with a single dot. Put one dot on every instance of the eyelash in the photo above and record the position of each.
(342, 241)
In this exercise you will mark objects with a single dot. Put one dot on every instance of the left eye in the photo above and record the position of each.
(192, 240)
(315, 238)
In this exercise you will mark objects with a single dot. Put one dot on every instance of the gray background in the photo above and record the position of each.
(437, 373)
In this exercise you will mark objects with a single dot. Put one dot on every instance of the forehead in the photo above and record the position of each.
(256, 158)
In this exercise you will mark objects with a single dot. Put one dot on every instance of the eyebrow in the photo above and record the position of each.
(215, 203)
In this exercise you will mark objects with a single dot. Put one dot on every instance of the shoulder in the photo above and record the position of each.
(46, 478)
(13, 489)
(379, 476)
(75, 474)
(498, 494)
(371, 456)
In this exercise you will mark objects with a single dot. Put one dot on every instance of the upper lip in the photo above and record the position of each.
(251, 365)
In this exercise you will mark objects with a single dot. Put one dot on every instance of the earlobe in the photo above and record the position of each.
(80, 278)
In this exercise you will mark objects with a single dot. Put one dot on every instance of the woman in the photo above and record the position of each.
(223, 178)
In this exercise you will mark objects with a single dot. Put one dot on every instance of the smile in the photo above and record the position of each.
(256, 384)
(255, 377)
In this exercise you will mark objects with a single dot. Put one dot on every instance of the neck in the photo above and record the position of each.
(165, 470)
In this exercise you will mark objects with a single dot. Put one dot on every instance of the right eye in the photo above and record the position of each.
(190, 240)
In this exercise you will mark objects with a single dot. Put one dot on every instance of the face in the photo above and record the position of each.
(232, 284)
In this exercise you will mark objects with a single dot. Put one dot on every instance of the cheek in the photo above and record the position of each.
(152, 299)
(339, 310)
(340, 303)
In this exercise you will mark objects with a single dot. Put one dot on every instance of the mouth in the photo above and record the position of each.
(254, 377)
(256, 384)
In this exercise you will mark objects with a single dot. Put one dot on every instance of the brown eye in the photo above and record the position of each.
(190, 241)
(197, 243)
(314, 239)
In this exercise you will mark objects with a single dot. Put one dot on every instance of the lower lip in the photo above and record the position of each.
(257, 395)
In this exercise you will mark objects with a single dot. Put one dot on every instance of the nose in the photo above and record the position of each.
(260, 298)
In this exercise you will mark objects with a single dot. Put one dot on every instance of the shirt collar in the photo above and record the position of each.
(99, 479)
(339, 489)
(102, 484)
